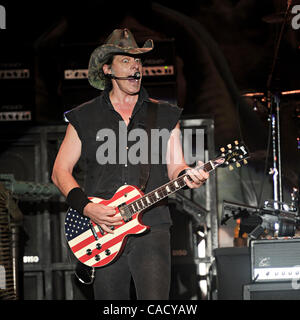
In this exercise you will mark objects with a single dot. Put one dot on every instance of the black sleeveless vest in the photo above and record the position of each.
(110, 149)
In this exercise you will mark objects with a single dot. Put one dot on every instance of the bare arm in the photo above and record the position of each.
(176, 162)
(67, 157)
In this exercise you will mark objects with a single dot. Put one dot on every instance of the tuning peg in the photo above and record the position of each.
(237, 164)
(236, 142)
(245, 161)
(222, 149)
(229, 146)
(230, 167)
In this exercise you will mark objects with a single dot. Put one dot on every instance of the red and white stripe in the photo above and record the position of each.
(113, 242)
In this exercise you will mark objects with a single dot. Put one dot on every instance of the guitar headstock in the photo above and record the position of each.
(234, 154)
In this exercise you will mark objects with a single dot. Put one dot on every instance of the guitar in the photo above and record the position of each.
(96, 248)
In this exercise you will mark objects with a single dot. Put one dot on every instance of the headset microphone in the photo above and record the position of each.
(136, 76)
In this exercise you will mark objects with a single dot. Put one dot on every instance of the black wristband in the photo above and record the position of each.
(77, 199)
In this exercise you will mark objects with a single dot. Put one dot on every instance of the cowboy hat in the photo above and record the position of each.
(121, 41)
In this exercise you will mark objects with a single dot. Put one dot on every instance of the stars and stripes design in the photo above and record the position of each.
(89, 243)
(75, 224)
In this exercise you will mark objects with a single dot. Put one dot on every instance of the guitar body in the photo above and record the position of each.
(89, 243)
(96, 248)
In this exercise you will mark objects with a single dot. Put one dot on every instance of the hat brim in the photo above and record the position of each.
(100, 56)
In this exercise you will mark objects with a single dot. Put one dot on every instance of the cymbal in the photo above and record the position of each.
(277, 17)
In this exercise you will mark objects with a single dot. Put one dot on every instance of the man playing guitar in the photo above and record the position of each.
(116, 67)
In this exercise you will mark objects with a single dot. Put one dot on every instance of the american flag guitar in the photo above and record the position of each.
(96, 248)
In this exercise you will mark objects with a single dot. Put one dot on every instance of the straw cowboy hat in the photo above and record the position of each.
(121, 41)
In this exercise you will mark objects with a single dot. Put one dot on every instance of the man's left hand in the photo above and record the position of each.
(198, 177)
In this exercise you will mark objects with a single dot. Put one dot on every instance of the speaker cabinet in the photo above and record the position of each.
(233, 272)
(184, 273)
(272, 291)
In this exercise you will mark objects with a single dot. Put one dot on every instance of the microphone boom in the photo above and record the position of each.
(136, 76)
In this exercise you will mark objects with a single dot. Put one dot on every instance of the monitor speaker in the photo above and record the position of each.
(233, 272)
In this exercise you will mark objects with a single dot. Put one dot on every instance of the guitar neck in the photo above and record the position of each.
(164, 191)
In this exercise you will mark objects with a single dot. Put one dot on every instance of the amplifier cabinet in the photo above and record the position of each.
(275, 260)
(271, 291)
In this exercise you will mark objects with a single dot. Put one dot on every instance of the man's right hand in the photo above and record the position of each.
(102, 215)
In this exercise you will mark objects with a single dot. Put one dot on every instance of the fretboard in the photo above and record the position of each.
(164, 191)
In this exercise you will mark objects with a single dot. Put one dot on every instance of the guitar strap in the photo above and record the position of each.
(150, 123)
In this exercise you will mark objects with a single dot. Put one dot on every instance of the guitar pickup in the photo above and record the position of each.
(125, 212)
(100, 229)
(93, 231)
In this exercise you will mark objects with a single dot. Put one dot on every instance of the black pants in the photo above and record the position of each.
(147, 259)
